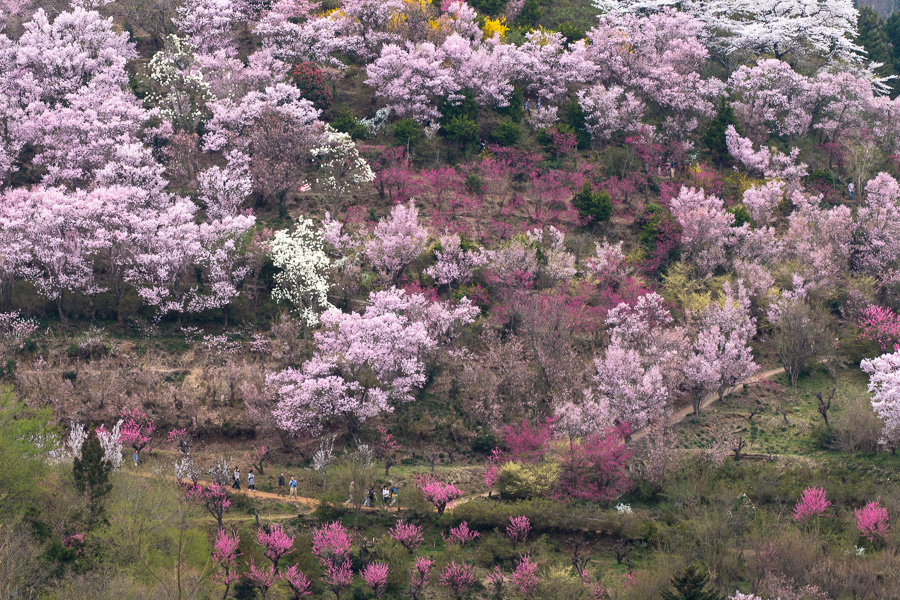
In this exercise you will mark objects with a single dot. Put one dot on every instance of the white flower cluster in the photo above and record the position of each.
(304, 265)
(623, 509)
(341, 167)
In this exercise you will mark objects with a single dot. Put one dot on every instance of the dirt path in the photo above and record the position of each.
(686, 411)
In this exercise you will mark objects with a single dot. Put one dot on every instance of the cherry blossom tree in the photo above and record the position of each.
(525, 576)
(771, 98)
(878, 227)
(408, 534)
(341, 169)
(299, 583)
(207, 24)
(398, 240)
(261, 578)
(224, 555)
(375, 575)
(594, 468)
(884, 385)
(418, 576)
(812, 503)
(518, 528)
(440, 494)
(881, 325)
(610, 110)
(872, 521)
(461, 535)
(136, 429)
(706, 228)
(454, 263)
(458, 578)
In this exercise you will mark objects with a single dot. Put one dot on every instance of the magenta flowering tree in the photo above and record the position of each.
(137, 429)
(518, 529)
(812, 503)
(299, 583)
(458, 578)
(225, 556)
(397, 241)
(213, 497)
(461, 535)
(595, 468)
(261, 458)
(274, 542)
(525, 576)
(261, 578)
(331, 543)
(440, 494)
(363, 363)
(375, 575)
(408, 534)
(338, 577)
(881, 325)
(418, 576)
(872, 521)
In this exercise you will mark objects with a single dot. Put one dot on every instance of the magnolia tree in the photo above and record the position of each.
(364, 363)
(303, 279)
(884, 385)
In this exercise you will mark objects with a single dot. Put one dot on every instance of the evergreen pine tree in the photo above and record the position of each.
(91, 474)
(691, 585)
(714, 136)
(594, 205)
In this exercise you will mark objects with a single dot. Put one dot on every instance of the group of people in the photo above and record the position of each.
(388, 495)
(251, 483)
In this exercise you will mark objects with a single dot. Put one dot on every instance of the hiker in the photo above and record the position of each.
(394, 494)
(370, 496)
(293, 486)
(251, 480)
(385, 495)
(352, 489)
(527, 107)
(136, 458)
(850, 191)
(281, 485)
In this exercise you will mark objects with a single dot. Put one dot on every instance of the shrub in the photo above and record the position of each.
(489, 7)
(461, 129)
(529, 15)
(594, 205)
(407, 132)
(310, 80)
(346, 122)
(506, 133)
(518, 481)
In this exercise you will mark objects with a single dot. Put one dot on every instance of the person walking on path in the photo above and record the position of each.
(136, 458)
(293, 485)
(352, 489)
(281, 485)
(385, 495)
(850, 191)
(251, 481)
(237, 479)
(370, 496)
(394, 494)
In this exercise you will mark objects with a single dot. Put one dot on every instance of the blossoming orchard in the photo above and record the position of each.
(449, 299)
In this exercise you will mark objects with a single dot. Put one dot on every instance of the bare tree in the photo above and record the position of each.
(802, 334)
(824, 406)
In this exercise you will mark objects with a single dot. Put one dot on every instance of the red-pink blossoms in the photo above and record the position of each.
(872, 521)
(880, 324)
(461, 535)
(225, 555)
(525, 576)
(408, 534)
(298, 582)
(275, 542)
(458, 578)
(518, 529)
(440, 494)
(375, 575)
(331, 543)
(418, 576)
(812, 503)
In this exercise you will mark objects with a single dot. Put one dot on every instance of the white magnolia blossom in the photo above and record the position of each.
(341, 167)
(69, 448)
(304, 265)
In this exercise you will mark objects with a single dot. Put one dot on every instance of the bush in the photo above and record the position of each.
(346, 122)
(593, 205)
(488, 7)
(407, 132)
(572, 115)
(741, 214)
(518, 482)
(506, 133)
(310, 80)
(529, 15)
(461, 129)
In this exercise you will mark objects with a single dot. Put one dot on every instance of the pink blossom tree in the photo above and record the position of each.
(454, 264)
(877, 227)
(518, 529)
(595, 467)
(461, 535)
(338, 577)
(418, 576)
(408, 534)
(375, 575)
(274, 542)
(881, 325)
(299, 583)
(261, 578)
(331, 543)
(706, 228)
(812, 503)
(397, 241)
(458, 578)
(440, 494)
(525, 576)
(137, 429)
(213, 497)
(872, 521)
(225, 556)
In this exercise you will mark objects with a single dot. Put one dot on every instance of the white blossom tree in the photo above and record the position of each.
(303, 277)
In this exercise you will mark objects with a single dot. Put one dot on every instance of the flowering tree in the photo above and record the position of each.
(261, 578)
(455, 264)
(331, 543)
(458, 578)
(461, 535)
(136, 429)
(880, 324)
(706, 228)
(224, 555)
(213, 497)
(303, 278)
(877, 227)
(595, 467)
(111, 442)
(338, 577)
(375, 575)
(397, 240)
(341, 169)
(260, 458)
(525, 576)
(298, 582)
(812, 503)
(388, 341)
(274, 542)
(518, 528)
(438, 493)
(884, 385)
(610, 110)
(408, 534)
(872, 521)
(418, 576)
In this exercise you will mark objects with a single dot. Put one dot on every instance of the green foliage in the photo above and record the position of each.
(347, 122)
(714, 136)
(461, 129)
(519, 481)
(691, 585)
(572, 115)
(529, 15)
(473, 183)
(407, 132)
(515, 110)
(741, 214)
(488, 7)
(506, 133)
(496, 550)
(593, 205)
(91, 475)
(876, 41)
(22, 467)
(572, 31)
(466, 107)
